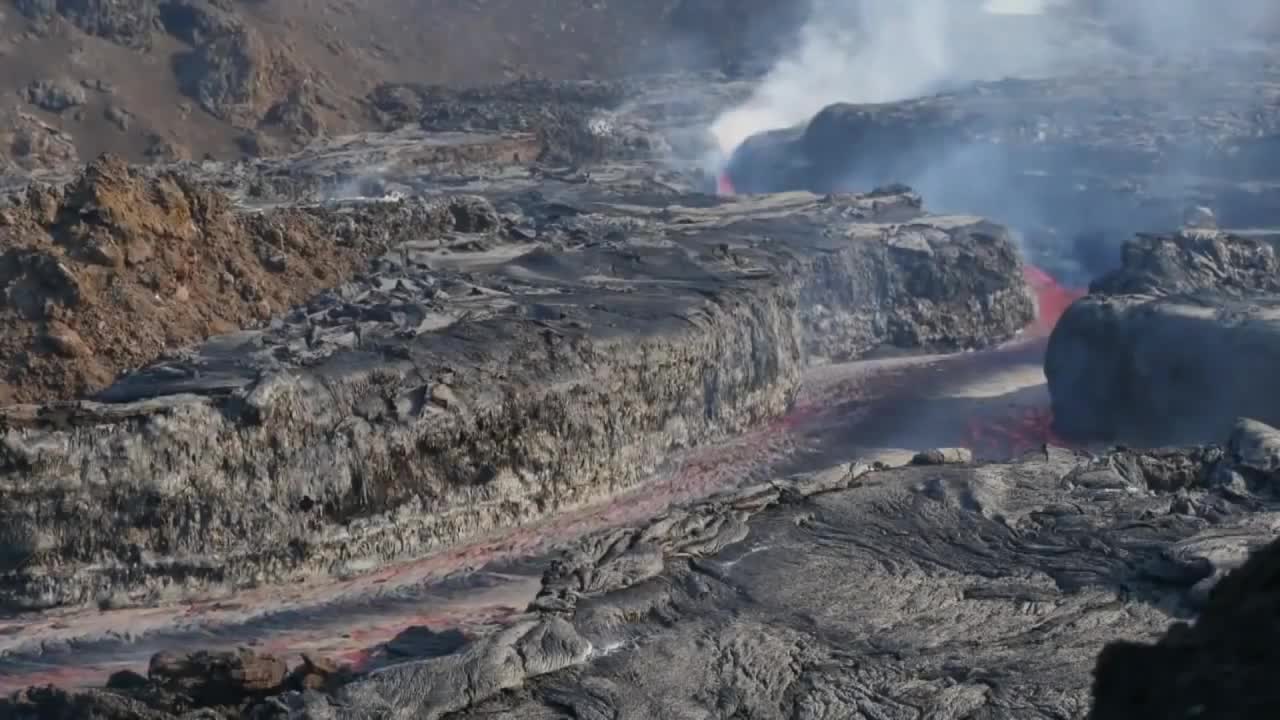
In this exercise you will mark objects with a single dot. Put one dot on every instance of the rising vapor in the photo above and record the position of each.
(870, 51)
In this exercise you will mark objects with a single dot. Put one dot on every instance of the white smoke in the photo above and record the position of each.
(870, 51)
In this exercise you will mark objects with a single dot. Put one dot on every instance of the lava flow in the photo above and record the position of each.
(1022, 428)
(1027, 428)
(992, 401)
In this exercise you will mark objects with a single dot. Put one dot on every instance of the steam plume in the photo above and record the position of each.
(867, 51)
(872, 51)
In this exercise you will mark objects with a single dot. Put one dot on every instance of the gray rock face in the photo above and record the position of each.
(1172, 346)
(1193, 260)
(1155, 370)
(476, 381)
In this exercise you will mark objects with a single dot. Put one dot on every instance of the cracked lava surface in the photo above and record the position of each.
(992, 401)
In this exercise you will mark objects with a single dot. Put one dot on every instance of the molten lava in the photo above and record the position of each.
(724, 186)
(1052, 299)
(1028, 428)
(1024, 429)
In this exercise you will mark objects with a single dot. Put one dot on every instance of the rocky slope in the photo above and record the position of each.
(167, 79)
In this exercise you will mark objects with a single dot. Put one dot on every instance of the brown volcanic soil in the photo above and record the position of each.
(117, 268)
(190, 78)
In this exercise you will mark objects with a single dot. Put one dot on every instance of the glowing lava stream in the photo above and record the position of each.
(993, 401)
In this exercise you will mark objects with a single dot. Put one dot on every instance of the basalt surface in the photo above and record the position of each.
(934, 589)
(1077, 163)
(1219, 666)
(1172, 346)
(544, 348)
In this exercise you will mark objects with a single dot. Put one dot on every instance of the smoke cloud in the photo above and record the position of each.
(875, 51)
(871, 51)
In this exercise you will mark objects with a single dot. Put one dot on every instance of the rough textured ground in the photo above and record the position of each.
(517, 306)
(515, 366)
(169, 255)
(166, 79)
(1077, 164)
(948, 591)
(1220, 665)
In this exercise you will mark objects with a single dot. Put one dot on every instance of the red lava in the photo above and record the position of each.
(1028, 428)
(724, 186)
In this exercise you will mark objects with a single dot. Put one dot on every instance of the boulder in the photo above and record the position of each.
(1154, 370)
(1172, 346)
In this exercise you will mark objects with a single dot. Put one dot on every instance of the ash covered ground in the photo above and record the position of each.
(865, 367)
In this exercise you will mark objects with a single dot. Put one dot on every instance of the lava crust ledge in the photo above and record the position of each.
(532, 360)
(1174, 345)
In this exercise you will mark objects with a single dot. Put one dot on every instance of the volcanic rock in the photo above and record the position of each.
(125, 22)
(1219, 666)
(980, 591)
(1157, 370)
(227, 678)
(197, 22)
(54, 96)
(1192, 260)
(122, 266)
(236, 76)
(1172, 346)
(35, 146)
(568, 117)
(471, 380)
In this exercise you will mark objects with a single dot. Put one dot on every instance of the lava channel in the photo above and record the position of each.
(993, 401)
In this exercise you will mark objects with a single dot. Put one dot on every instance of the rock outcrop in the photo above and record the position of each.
(516, 365)
(1172, 346)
